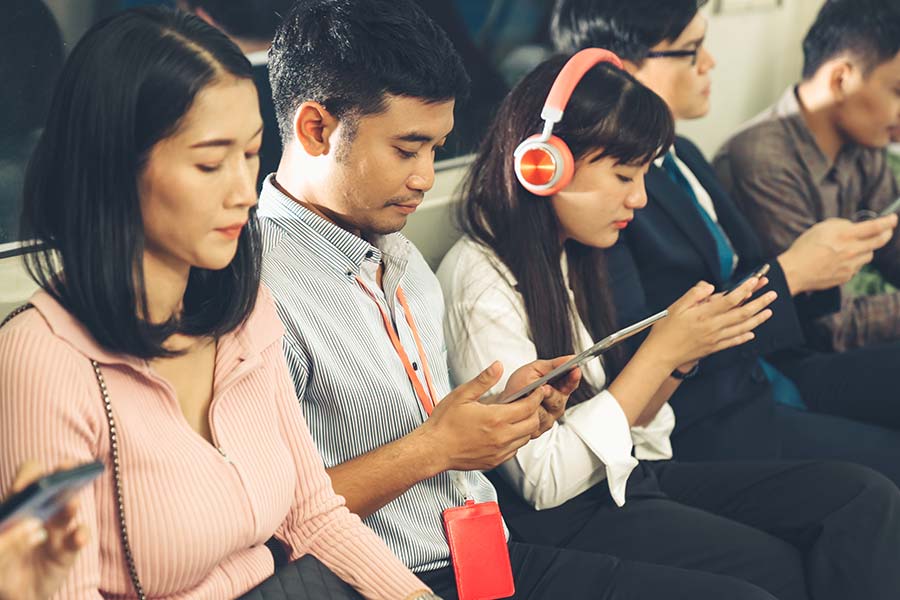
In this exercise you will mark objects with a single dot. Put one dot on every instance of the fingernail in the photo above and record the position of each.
(38, 534)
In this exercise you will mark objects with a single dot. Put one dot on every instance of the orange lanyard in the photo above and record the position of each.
(427, 399)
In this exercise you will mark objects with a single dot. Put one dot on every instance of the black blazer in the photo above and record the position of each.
(727, 410)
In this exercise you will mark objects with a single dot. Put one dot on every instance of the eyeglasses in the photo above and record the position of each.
(677, 54)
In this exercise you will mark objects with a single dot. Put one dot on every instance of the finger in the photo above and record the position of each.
(569, 383)
(763, 282)
(697, 294)
(64, 517)
(746, 325)
(742, 313)
(524, 408)
(732, 342)
(873, 228)
(861, 260)
(28, 473)
(542, 367)
(555, 404)
(475, 388)
(76, 540)
(722, 303)
(22, 537)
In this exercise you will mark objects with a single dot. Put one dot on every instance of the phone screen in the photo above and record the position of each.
(592, 352)
(45, 497)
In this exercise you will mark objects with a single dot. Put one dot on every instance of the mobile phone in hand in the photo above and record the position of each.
(46, 496)
(891, 208)
(592, 352)
(759, 272)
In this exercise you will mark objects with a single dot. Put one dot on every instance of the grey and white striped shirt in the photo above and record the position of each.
(354, 391)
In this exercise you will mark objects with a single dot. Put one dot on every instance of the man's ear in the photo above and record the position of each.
(313, 126)
(843, 78)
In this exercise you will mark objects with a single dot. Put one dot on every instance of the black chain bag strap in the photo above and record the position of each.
(114, 451)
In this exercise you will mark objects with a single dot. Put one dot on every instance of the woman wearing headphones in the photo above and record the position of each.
(528, 280)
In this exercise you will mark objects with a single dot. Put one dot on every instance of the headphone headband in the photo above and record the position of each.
(567, 80)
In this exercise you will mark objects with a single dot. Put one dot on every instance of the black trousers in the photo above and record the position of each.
(799, 530)
(544, 573)
(860, 384)
(808, 435)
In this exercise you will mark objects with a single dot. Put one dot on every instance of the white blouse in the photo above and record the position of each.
(486, 321)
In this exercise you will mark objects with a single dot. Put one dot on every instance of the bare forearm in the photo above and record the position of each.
(662, 395)
(640, 389)
(371, 480)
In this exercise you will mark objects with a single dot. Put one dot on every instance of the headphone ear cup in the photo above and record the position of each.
(544, 167)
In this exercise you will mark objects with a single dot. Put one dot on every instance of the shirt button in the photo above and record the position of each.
(370, 254)
(415, 367)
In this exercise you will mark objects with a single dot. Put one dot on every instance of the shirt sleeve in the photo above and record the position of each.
(320, 524)
(592, 440)
(49, 406)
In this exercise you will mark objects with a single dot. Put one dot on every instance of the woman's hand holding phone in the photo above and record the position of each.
(701, 323)
(35, 557)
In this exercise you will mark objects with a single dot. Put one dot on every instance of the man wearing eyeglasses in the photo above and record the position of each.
(736, 405)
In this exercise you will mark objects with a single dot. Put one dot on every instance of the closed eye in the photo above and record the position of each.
(624, 179)
(406, 155)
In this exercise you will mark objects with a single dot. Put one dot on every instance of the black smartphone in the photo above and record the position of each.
(757, 273)
(592, 352)
(46, 496)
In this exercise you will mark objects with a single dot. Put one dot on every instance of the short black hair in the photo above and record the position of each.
(247, 19)
(630, 28)
(349, 54)
(867, 29)
(127, 85)
(32, 50)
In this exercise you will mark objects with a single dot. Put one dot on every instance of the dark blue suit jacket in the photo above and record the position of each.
(727, 410)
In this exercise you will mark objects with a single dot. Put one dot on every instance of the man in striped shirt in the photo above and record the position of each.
(365, 91)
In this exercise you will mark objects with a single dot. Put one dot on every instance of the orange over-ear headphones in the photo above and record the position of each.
(543, 162)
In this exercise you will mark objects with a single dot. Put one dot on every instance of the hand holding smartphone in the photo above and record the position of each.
(757, 273)
(592, 352)
(46, 496)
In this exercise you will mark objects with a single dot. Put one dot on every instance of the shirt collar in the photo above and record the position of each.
(351, 249)
(818, 165)
(258, 58)
(659, 161)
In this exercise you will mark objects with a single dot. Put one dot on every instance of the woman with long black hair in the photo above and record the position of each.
(528, 280)
(151, 345)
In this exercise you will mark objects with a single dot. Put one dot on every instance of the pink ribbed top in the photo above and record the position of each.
(198, 514)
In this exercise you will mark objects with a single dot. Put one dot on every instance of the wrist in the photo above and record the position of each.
(653, 361)
(792, 275)
(432, 457)
(686, 371)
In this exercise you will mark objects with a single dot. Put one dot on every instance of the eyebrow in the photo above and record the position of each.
(696, 41)
(413, 137)
(221, 141)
